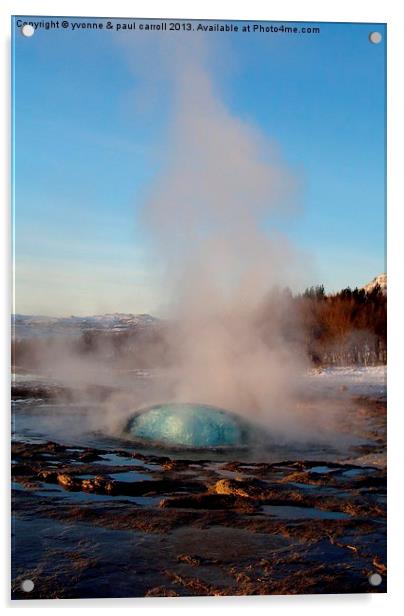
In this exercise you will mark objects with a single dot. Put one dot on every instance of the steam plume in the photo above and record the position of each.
(210, 216)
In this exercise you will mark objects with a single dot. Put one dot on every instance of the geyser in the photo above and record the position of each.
(188, 425)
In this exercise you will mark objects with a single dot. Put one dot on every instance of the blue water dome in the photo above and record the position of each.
(187, 425)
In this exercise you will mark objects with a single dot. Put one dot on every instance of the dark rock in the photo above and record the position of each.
(194, 561)
(21, 469)
(48, 476)
(161, 591)
(89, 456)
(68, 482)
(209, 501)
(236, 487)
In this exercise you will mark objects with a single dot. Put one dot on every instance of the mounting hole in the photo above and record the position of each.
(375, 38)
(27, 30)
(375, 579)
(27, 585)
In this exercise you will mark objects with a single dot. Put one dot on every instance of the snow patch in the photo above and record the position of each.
(358, 380)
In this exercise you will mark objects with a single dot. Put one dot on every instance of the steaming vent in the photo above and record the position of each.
(188, 425)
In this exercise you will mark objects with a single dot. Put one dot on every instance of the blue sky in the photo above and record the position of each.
(87, 132)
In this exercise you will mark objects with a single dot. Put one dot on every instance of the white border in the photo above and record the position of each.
(292, 10)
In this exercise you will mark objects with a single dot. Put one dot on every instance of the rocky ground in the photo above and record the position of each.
(93, 522)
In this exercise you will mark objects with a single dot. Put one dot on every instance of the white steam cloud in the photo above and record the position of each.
(210, 215)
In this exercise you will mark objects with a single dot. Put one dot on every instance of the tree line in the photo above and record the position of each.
(344, 328)
(348, 327)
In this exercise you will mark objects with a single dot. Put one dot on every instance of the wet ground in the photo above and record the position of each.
(99, 517)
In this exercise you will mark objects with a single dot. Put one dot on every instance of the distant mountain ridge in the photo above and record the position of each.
(30, 326)
(33, 326)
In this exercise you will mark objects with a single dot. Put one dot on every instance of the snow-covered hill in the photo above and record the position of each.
(30, 326)
(380, 280)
